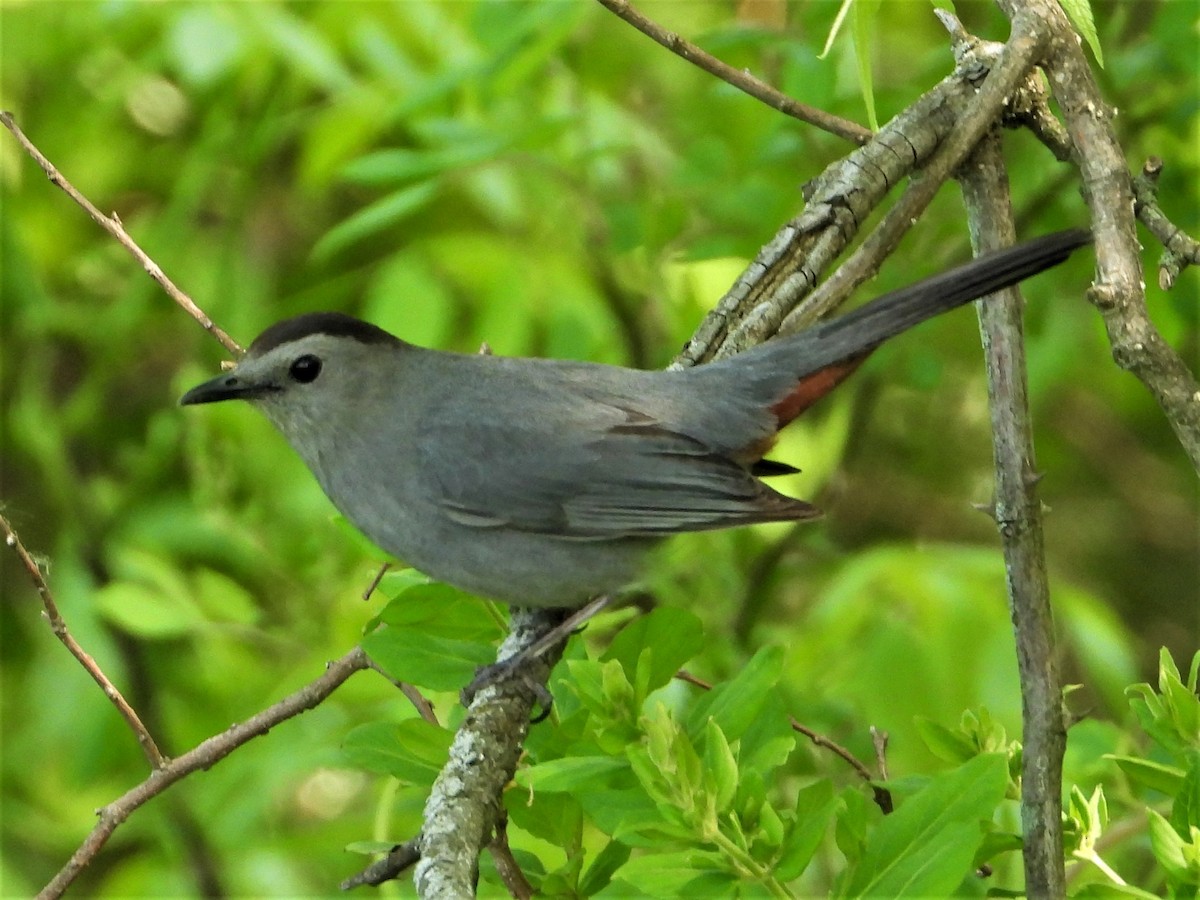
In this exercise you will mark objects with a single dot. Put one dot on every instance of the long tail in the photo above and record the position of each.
(813, 362)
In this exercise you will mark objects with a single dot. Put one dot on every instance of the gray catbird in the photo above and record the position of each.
(542, 482)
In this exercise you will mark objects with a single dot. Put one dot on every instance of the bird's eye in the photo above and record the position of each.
(305, 369)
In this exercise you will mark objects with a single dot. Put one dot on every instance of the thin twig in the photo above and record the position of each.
(113, 226)
(1180, 249)
(879, 740)
(203, 756)
(59, 627)
(419, 701)
(370, 588)
(738, 78)
(506, 864)
(401, 857)
(883, 797)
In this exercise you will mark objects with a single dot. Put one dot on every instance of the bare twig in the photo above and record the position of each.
(879, 740)
(203, 756)
(1017, 512)
(1030, 108)
(370, 588)
(883, 797)
(59, 627)
(506, 864)
(401, 857)
(410, 691)
(113, 226)
(740, 79)
(1180, 250)
(1118, 292)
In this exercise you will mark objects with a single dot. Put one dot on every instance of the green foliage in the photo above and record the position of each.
(647, 789)
(692, 796)
(537, 176)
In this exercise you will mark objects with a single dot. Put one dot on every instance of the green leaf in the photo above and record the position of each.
(1169, 848)
(1172, 715)
(736, 704)
(147, 613)
(1103, 890)
(439, 609)
(413, 750)
(438, 663)
(306, 49)
(660, 875)
(721, 767)
(553, 816)
(944, 743)
(630, 816)
(865, 13)
(1148, 773)
(391, 167)
(599, 874)
(1080, 14)
(379, 216)
(996, 843)
(1087, 816)
(852, 819)
(224, 600)
(572, 773)
(815, 808)
(926, 846)
(673, 636)
(1185, 811)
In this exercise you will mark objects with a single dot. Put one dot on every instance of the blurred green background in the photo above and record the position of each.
(540, 177)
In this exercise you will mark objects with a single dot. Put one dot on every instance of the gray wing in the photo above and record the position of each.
(591, 464)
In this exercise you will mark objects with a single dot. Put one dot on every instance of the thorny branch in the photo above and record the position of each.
(1017, 511)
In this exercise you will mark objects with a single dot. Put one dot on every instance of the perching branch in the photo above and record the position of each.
(464, 805)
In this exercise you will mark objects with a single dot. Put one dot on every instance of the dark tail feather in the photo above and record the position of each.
(821, 357)
(893, 313)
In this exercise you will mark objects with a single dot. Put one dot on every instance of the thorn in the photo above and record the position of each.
(988, 509)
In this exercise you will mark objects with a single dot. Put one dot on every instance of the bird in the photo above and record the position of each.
(544, 482)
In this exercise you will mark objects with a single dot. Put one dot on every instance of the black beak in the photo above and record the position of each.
(225, 387)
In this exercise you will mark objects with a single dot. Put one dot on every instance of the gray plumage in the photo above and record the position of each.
(541, 482)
